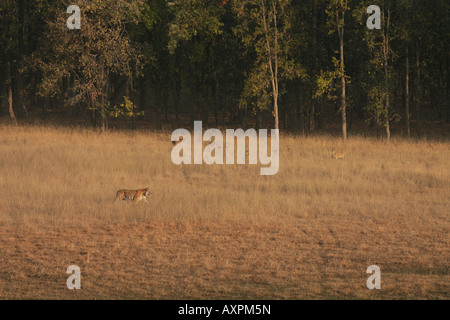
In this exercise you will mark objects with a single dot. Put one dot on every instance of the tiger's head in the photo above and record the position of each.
(147, 192)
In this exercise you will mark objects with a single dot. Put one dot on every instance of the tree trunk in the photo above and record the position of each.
(386, 73)
(103, 128)
(177, 99)
(378, 126)
(216, 101)
(343, 93)
(312, 119)
(10, 95)
(102, 100)
(275, 107)
(276, 66)
(301, 109)
(20, 92)
(158, 110)
(143, 96)
(177, 84)
(272, 59)
(44, 107)
(93, 118)
(94, 109)
(166, 105)
(340, 22)
(322, 102)
(295, 116)
(194, 103)
(418, 91)
(103, 111)
(223, 115)
(258, 120)
(448, 88)
(408, 127)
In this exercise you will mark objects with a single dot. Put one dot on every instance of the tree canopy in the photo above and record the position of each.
(300, 66)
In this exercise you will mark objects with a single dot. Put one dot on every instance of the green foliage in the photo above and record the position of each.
(335, 10)
(378, 81)
(151, 16)
(100, 49)
(326, 81)
(126, 109)
(257, 91)
(218, 54)
(264, 27)
(193, 18)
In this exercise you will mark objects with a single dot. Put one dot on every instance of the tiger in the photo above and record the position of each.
(135, 195)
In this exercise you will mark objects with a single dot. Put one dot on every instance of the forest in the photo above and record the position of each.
(354, 93)
(301, 66)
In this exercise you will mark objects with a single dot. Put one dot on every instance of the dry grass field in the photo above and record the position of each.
(224, 231)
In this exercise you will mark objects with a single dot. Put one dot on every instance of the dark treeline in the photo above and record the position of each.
(297, 65)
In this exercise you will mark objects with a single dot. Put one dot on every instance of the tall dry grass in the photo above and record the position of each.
(69, 177)
(221, 231)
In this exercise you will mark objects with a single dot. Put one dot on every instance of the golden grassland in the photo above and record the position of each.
(222, 231)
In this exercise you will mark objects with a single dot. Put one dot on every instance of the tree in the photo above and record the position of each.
(9, 41)
(194, 30)
(159, 70)
(380, 81)
(336, 12)
(264, 27)
(386, 18)
(238, 57)
(90, 56)
(405, 35)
